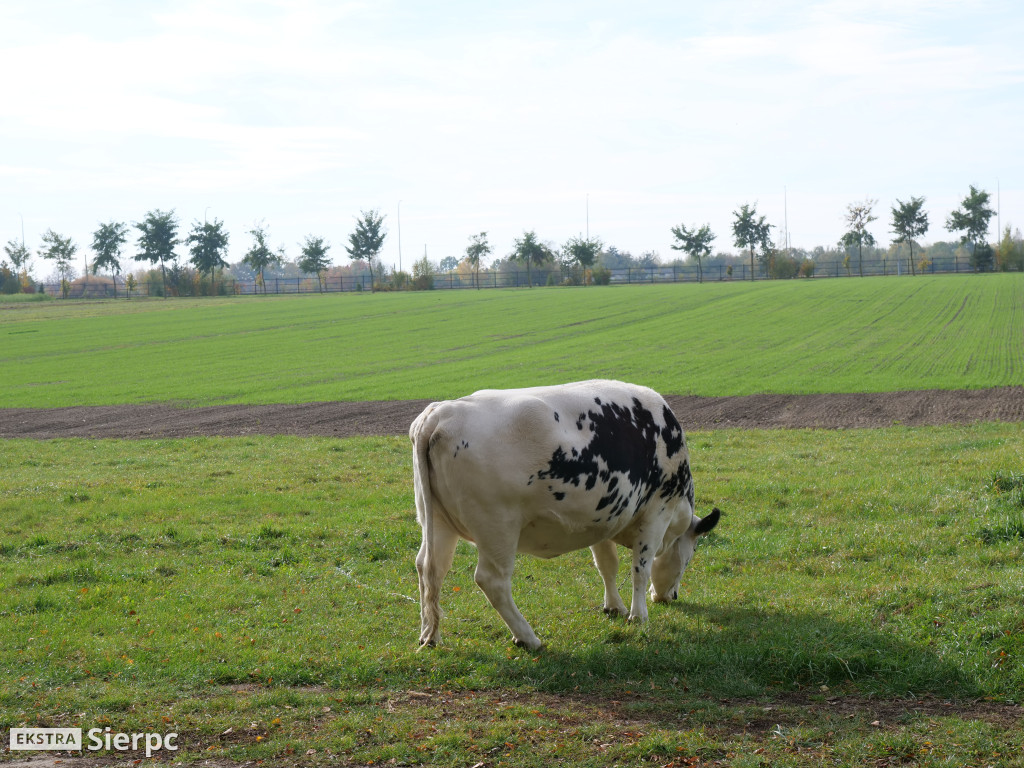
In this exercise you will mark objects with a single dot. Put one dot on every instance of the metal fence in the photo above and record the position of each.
(97, 288)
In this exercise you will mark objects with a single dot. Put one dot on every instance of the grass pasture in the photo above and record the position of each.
(877, 335)
(859, 604)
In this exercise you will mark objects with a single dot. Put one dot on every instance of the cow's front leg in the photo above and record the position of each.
(644, 550)
(606, 558)
(494, 577)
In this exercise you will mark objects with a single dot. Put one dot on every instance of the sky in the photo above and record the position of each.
(617, 120)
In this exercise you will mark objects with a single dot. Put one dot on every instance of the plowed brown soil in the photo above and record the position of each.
(392, 417)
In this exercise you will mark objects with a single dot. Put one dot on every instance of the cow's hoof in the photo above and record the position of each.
(613, 612)
(535, 646)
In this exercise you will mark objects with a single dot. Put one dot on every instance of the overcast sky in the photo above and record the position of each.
(504, 117)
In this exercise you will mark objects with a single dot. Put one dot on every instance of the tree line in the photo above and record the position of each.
(909, 222)
(157, 237)
(207, 241)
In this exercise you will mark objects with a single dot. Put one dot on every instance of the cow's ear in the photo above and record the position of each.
(709, 522)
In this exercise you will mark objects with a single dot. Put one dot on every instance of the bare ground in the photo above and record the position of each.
(392, 417)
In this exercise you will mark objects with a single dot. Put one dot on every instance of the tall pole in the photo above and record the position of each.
(399, 236)
(588, 216)
(998, 213)
(785, 216)
(22, 230)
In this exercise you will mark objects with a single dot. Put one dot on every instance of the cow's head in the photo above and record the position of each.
(668, 567)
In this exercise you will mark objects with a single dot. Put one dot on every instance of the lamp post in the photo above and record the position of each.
(399, 235)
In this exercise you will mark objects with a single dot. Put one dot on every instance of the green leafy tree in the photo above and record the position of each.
(583, 251)
(448, 264)
(61, 250)
(314, 259)
(208, 244)
(477, 249)
(858, 216)
(367, 240)
(530, 251)
(159, 235)
(751, 231)
(909, 221)
(260, 256)
(107, 242)
(1011, 251)
(423, 274)
(972, 218)
(18, 254)
(696, 243)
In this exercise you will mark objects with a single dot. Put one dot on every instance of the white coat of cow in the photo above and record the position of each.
(548, 470)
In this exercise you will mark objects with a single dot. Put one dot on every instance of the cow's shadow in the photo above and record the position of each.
(737, 651)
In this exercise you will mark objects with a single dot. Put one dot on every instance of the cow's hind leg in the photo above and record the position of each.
(607, 561)
(494, 577)
(432, 563)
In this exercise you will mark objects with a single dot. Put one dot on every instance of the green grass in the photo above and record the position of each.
(716, 339)
(267, 586)
(23, 298)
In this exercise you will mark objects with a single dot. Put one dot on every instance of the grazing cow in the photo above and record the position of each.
(548, 470)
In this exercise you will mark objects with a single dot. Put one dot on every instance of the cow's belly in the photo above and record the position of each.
(553, 536)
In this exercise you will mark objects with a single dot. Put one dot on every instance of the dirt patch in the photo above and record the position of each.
(392, 417)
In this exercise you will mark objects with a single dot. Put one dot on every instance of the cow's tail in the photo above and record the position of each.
(429, 580)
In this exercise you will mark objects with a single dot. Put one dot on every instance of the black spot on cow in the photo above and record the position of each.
(556, 416)
(672, 433)
(558, 495)
(679, 483)
(624, 441)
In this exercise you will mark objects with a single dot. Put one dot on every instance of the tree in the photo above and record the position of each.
(208, 244)
(582, 250)
(696, 243)
(749, 231)
(156, 243)
(60, 250)
(314, 259)
(478, 248)
(908, 222)
(529, 250)
(972, 219)
(423, 274)
(1010, 255)
(18, 254)
(365, 243)
(107, 242)
(259, 256)
(858, 216)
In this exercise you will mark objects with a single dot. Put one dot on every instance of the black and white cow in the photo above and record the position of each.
(549, 470)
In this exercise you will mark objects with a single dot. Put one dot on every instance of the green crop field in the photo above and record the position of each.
(258, 597)
(859, 604)
(873, 335)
